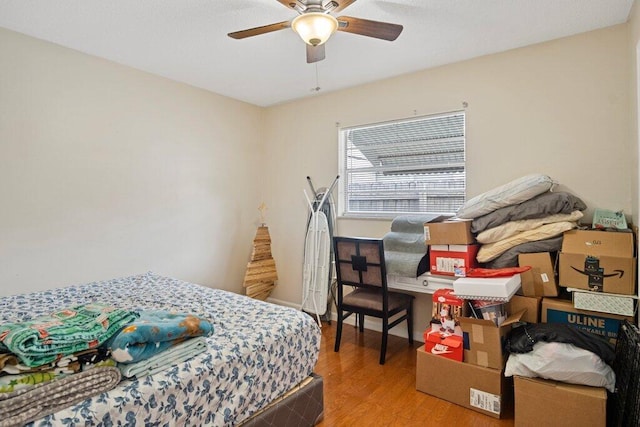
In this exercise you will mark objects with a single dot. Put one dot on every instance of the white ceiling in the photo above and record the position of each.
(186, 40)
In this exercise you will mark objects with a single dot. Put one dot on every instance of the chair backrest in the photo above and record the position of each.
(360, 262)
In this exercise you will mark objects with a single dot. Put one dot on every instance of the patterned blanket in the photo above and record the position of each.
(258, 352)
(154, 332)
(28, 404)
(47, 338)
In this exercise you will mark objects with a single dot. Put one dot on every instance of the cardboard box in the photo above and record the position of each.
(549, 403)
(483, 340)
(601, 261)
(530, 305)
(480, 389)
(541, 279)
(453, 260)
(452, 232)
(447, 310)
(561, 311)
(443, 344)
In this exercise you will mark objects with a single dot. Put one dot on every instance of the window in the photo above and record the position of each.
(415, 165)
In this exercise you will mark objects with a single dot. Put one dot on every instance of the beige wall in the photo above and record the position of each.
(106, 171)
(559, 108)
(634, 78)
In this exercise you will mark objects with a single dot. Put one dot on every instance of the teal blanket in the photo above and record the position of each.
(153, 332)
(45, 339)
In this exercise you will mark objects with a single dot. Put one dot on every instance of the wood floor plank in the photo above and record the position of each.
(360, 391)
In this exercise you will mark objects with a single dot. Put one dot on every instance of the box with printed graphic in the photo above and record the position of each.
(599, 261)
(606, 325)
(443, 344)
(447, 310)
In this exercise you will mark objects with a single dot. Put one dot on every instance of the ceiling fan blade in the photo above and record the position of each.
(259, 30)
(365, 27)
(315, 53)
(292, 4)
(334, 6)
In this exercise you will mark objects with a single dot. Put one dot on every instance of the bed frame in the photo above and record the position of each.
(303, 406)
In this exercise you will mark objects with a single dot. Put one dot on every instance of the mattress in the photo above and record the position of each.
(257, 352)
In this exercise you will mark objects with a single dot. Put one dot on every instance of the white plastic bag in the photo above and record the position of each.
(562, 362)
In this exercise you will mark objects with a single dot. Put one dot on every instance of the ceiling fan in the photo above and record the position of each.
(315, 24)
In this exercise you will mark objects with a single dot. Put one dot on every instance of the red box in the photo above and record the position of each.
(443, 344)
(447, 310)
(453, 260)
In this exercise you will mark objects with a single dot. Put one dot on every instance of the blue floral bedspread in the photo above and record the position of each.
(257, 352)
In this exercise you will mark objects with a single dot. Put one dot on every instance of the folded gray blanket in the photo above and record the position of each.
(545, 204)
(28, 404)
(404, 245)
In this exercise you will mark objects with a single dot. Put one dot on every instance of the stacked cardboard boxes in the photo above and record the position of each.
(592, 261)
(452, 248)
(444, 336)
(472, 378)
(599, 268)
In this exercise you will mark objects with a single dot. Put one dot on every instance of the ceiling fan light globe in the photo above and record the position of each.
(314, 28)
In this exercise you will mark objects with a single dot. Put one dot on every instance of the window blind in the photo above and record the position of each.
(408, 166)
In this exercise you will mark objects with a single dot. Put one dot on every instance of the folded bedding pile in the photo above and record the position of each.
(560, 352)
(30, 403)
(157, 340)
(53, 361)
(522, 216)
(405, 250)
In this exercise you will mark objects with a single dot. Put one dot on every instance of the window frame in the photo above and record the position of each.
(342, 165)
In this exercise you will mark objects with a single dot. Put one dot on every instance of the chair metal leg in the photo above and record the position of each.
(385, 333)
(338, 331)
(410, 322)
(361, 319)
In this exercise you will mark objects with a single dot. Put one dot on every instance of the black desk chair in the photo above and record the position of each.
(360, 264)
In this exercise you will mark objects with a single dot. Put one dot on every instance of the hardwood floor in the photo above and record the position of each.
(358, 391)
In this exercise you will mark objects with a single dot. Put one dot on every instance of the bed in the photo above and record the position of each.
(258, 367)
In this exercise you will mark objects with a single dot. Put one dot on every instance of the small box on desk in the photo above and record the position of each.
(480, 389)
(453, 260)
(451, 232)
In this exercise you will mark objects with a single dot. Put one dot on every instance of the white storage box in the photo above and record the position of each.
(603, 302)
(487, 288)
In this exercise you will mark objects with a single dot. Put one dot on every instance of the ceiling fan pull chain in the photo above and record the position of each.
(317, 88)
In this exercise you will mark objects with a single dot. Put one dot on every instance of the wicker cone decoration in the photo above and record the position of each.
(261, 275)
